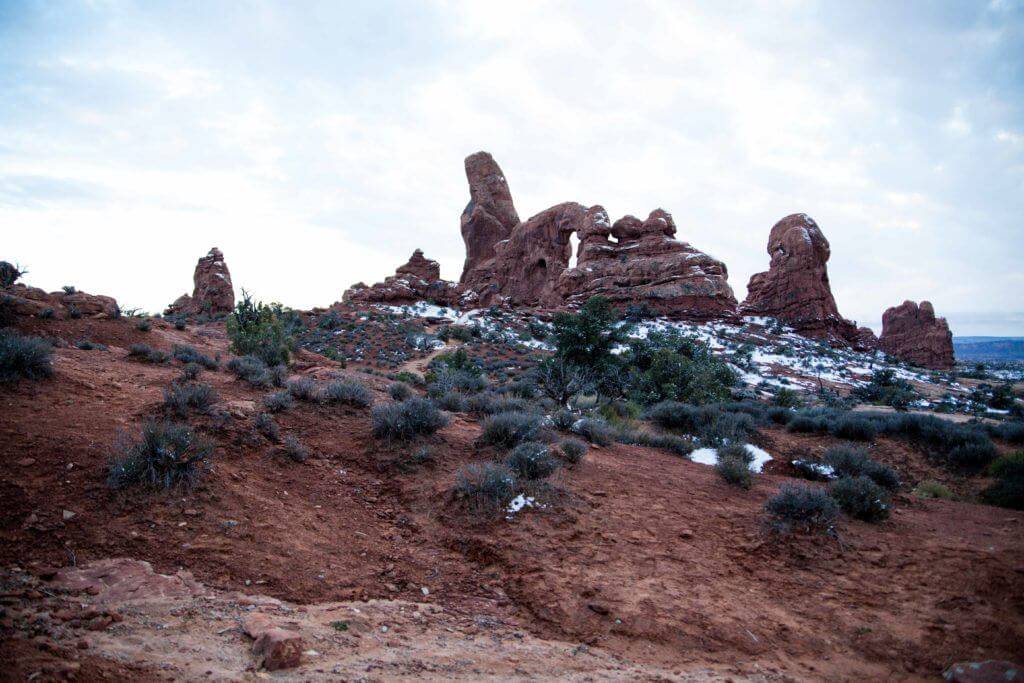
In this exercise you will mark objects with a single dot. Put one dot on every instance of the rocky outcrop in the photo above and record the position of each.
(865, 339)
(646, 265)
(488, 218)
(913, 334)
(795, 288)
(19, 299)
(212, 293)
(419, 279)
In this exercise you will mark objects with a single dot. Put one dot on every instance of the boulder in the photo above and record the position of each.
(646, 265)
(488, 218)
(418, 279)
(275, 648)
(865, 339)
(9, 274)
(212, 293)
(795, 288)
(912, 333)
(31, 301)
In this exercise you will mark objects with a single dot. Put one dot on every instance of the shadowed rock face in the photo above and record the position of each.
(913, 334)
(417, 280)
(213, 292)
(646, 265)
(488, 218)
(795, 289)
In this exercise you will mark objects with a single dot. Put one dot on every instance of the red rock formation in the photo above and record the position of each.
(213, 293)
(417, 280)
(865, 339)
(488, 218)
(646, 265)
(913, 334)
(795, 289)
(22, 300)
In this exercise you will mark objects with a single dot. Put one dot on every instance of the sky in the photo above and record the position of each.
(319, 143)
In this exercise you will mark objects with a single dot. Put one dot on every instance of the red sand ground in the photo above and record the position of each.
(647, 563)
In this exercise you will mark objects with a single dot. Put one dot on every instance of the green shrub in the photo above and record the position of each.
(347, 392)
(848, 461)
(595, 430)
(169, 455)
(407, 419)
(256, 329)
(564, 419)
(669, 442)
(294, 449)
(711, 424)
(1008, 489)
(667, 366)
(24, 357)
(86, 345)
(733, 465)
(190, 372)
(803, 508)
(507, 430)
(266, 426)
(142, 325)
(779, 415)
(485, 487)
(958, 446)
(147, 354)
(531, 460)
(187, 354)
(861, 498)
(453, 402)
(278, 401)
(932, 489)
(853, 428)
(1012, 432)
(573, 450)
(399, 391)
(250, 369)
(181, 399)
(305, 389)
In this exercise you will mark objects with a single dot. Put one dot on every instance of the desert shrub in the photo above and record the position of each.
(1012, 432)
(179, 324)
(733, 465)
(669, 442)
(294, 449)
(305, 389)
(181, 399)
(887, 389)
(189, 372)
(250, 369)
(256, 329)
(779, 415)
(346, 391)
(954, 445)
(561, 380)
(485, 487)
(860, 498)
(786, 398)
(278, 375)
(10, 273)
(507, 430)
(142, 325)
(594, 430)
(168, 455)
(667, 366)
(804, 508)
(932, 489)
(445, 379)
(806, 423)
(24, 357)
(711, 424)
(147, 354)
(853, 428)
(564, 419)
(409, 378)
(86, 345)
(407, 419)
(399, 391)
(278, 401)
(187, 354)
(453, 402)
(573, 450)
(1008, 489)
(47, 314)
(266, 426)
(531, 460)
(848, 461)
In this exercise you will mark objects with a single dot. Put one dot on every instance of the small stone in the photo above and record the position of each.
(68, 514)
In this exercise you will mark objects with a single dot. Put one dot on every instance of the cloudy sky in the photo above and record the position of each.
(318, 144)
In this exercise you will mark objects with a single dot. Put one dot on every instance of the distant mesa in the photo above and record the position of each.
(912, 333)
(212, 293)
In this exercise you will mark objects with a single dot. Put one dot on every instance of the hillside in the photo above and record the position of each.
(635, 563)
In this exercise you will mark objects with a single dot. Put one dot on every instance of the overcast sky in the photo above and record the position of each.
(319, 144)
